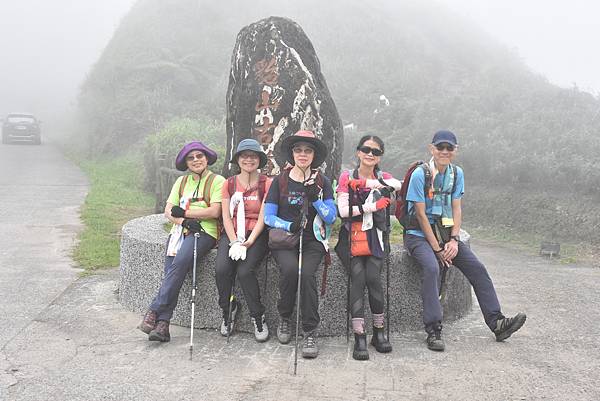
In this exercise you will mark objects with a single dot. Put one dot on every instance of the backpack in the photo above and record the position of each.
(205, 197)
(262, 183)
(409, 221)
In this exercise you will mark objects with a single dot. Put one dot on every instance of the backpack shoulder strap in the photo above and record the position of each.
(282, 182)
(207, 187)
(231, 185)
(182, 185)
(262, 183)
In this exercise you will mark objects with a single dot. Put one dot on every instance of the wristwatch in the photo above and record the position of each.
(455, 238)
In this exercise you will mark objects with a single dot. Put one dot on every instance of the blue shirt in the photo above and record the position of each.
(416, 192)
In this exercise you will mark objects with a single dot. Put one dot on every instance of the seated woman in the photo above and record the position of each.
(300, 197)
(367, 186)
(193, 206)
(244, 243)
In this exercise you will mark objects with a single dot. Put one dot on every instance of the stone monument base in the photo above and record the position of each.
(142, 261)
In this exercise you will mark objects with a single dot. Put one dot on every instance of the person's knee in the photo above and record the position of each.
(245, 272)
(430, 271)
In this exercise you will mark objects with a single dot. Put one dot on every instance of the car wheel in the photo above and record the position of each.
(37, 140)
(4, 140)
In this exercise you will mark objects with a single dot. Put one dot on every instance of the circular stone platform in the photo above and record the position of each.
(142, 262)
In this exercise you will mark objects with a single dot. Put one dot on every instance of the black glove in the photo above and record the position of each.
(296, 225)
(312, 192)
(192, 225)
(386, 192)
(176, 211)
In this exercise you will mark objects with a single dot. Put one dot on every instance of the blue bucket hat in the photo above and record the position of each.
(444, 137)
(252, 145)
(180, 163)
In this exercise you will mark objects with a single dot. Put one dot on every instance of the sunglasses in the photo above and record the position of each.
(198, 156)
(445, 146)
(367, 149)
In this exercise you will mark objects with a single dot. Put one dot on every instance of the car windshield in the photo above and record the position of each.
(20, 119)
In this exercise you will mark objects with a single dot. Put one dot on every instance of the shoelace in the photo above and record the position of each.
(310, 341)
(284, 326)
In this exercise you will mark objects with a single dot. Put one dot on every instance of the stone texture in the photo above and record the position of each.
(275, 89)
(142, 254)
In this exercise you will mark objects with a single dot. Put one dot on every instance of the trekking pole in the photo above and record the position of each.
(387, 268)
(349, 270)
(302, 222)
(193, 298)
(231, 298)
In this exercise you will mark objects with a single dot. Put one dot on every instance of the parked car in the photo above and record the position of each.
(21, 127)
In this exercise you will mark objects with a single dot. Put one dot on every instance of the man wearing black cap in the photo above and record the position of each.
(432, 237)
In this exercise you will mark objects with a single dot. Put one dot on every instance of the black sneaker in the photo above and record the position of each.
(310, 348)
(434, 339)
(505, 327)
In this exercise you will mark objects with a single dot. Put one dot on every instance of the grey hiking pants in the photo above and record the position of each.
(468, 264)
(176, 268)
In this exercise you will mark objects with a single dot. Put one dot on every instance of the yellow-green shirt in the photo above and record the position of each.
(209, 225)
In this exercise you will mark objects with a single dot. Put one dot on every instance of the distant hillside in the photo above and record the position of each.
(171, 58)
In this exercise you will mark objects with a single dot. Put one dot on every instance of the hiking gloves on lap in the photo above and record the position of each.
(192, 225)
(176, 211)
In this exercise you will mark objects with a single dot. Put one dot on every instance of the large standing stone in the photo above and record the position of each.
(275, 89)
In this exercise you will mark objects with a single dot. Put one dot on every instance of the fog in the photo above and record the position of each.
(48, 46)
(557, 38)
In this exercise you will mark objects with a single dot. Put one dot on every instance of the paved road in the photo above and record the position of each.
(40, 194)
(83, 345)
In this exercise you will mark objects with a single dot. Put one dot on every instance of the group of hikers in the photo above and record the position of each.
(290, 216)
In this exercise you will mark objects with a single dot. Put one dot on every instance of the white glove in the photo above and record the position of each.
(235, 251)
(242, 254)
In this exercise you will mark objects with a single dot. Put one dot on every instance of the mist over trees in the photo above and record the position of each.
(170, 59)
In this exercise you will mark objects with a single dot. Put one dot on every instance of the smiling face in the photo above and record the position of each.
(443, 154)
(248, 161)
(304, 154)
(367, 153)
(196, 161)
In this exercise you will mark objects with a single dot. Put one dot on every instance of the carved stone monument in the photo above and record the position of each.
(275, 89)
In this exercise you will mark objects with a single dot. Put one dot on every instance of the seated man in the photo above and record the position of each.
(432, 238)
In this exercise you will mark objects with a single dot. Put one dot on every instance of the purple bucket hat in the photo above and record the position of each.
(180, 163)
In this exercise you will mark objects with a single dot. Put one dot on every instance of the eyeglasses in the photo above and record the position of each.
(367, 149)
(191, 158)
(445, 146)
(248, 155)
(306, 151)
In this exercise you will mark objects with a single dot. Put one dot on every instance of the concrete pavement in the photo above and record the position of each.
(69, 339)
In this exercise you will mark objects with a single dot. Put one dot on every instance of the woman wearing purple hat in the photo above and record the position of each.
(194, 206)
(301, 191)
(244, 243)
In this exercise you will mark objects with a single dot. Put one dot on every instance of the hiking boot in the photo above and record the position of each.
(225, 327)
(360, 353)
(148, 323)
(283, 331)
(506, 326)
(434, 339)
(160, 332)
(310, 348)
(261, 330)
(379, 341)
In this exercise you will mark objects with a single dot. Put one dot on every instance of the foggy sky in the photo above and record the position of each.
(558, 38)
(49, 46)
